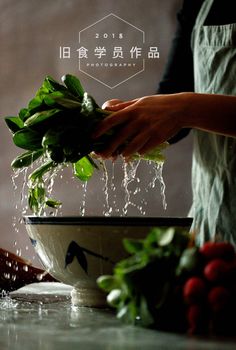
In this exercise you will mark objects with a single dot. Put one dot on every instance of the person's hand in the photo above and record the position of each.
(142, 124)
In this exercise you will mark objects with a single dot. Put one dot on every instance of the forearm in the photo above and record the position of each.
(210, 112)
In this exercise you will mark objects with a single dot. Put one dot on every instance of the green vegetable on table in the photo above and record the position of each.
(144, 287)
(56, 129)
(169, 283)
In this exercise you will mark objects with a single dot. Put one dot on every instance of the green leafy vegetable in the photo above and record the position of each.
(74, 86)
(83, 169)
(143, 286)
(26, 159)
(56, 129)
(14, 123)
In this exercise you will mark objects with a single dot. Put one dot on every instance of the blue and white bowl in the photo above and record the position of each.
(77, 250)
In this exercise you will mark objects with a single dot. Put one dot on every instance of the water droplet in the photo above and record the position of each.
(15, 266)
(25, 268)
(7, 276)
(39, 277)
(8, 263)
(13, 277)
(18, 252)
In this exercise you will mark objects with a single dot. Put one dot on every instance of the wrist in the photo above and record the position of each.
(187, 116)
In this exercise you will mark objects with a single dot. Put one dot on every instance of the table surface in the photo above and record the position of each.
(44, 323)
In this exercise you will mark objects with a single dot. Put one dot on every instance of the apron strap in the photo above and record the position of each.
(201, 17)
(203, 13)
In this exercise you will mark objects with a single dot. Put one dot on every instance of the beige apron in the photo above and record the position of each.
(214, 156)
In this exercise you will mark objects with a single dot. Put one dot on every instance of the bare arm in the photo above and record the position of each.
(213, 113)
(144, 123)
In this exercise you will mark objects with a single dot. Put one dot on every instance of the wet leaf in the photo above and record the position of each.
(26, 158)
(155, 154)
(66, 102)
(74, 85)
(83, 169)
(52, 203)
(14, 123)
(35, 104)
(52, 137)
(40, 117)
(89, 105)
(39, 172)
(52, 85)
(23, 114)
(28, 139)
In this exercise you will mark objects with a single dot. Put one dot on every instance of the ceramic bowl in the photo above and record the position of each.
(77, 250)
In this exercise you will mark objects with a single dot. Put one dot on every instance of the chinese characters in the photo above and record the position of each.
(99, 52)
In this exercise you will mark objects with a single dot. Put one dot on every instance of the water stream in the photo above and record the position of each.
(132, 186)
(121, 188)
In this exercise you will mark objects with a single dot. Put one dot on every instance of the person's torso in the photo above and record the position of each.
(214, 159)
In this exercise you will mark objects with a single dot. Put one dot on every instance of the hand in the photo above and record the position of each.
(142, 124)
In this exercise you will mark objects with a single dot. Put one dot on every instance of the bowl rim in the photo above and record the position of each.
(112, 221)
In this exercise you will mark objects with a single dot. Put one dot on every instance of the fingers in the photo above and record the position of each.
(134, 146)
(116, 118)
(116, 105)
(111, 103)
(149, 145)
(110, 122)
(116, 145)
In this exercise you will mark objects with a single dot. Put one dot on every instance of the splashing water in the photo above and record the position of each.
(107, 207)
(131, 184)
(130, 172)
(83, 205)
(158, 176)
(113, 189)
(6, 302)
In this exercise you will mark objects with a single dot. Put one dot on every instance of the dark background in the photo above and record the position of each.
(31, 33)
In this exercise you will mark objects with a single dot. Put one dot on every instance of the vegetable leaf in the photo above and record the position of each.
(27, 139)
(14, 123)
(26, 158)
(74, 85)
(143, 286)
(40, 117)
(83, 169)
